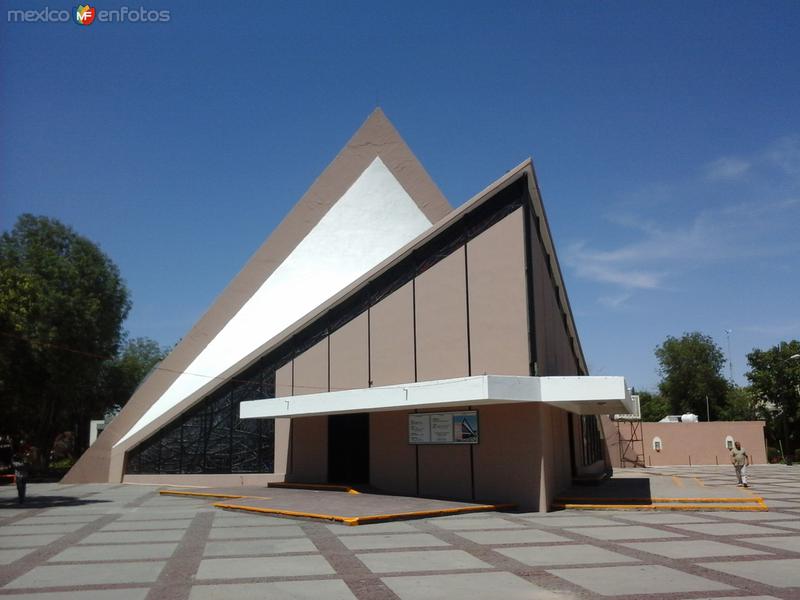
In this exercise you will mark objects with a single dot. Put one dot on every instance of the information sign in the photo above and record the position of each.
(443, 428)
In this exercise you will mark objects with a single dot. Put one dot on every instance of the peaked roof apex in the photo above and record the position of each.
(378, 137)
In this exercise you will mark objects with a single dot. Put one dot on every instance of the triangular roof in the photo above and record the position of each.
(375, 186)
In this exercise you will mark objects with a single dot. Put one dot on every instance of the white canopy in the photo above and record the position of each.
(581, 395)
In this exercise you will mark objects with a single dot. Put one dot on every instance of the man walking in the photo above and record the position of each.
(20, 463)
(739, 459)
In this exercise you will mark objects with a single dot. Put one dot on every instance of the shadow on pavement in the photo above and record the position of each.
(35, 502)
(629, 489)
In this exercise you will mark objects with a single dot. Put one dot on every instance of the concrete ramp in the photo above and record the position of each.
(342, 504)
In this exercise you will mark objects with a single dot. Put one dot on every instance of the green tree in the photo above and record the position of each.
(774, 376)
(691, 374)
(740, 405)
(654, 407)
(122, 375)
(62, 304)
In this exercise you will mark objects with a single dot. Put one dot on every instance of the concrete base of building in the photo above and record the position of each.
(208, 480)
(641, 489)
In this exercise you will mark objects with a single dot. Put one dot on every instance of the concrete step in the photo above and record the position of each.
(644, 490)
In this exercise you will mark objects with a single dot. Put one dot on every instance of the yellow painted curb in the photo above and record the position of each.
(659, 500)
(277, 511)
(327, 487)
(353, 521)
(430, 513)
(761, 507)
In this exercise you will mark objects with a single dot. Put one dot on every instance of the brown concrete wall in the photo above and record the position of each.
(467, 314)
(507, 459)
(596, 468)
(392, 460)
(509, 465)
(554, 349)
(444, 471)
(309, 449)
(311, 370)
(560, 450)
(702, 443)
(699, 443)
(498, 309)
(283, 427)
(556, 355)
(283, 381)
(441, 311)
(349, 356)
(391, 341)
(556, 471)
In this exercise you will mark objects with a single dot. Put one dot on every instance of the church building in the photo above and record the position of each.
(380, 337)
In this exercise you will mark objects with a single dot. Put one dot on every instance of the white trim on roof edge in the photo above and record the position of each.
(584, 395)
(373, 219)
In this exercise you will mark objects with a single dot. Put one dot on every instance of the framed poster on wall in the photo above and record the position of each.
(443, 428)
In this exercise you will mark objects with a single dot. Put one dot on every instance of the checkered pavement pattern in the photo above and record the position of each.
(125, 542)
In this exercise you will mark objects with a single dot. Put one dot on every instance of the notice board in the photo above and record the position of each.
(443, 428)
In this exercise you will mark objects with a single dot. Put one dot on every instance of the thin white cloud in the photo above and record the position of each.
(785, 154)
(756, 209)
(654, 253)
(780, 329)
(727, 168)
(615, 301)
(609, 267)
(660, 253)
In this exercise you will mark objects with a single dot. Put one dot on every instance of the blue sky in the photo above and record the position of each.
(666, 139)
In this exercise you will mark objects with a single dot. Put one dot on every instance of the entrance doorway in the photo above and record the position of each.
(348, 448)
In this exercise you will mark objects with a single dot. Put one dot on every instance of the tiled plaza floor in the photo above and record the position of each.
(125, 542)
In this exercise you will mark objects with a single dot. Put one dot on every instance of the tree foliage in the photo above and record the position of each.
(123, 374)
(62, 304)
(653, 406)
(691, 372)
(775, 381)
(740, 405)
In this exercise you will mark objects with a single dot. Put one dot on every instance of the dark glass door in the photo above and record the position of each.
(348, 448)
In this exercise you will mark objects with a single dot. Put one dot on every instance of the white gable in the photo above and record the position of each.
(373, 219)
